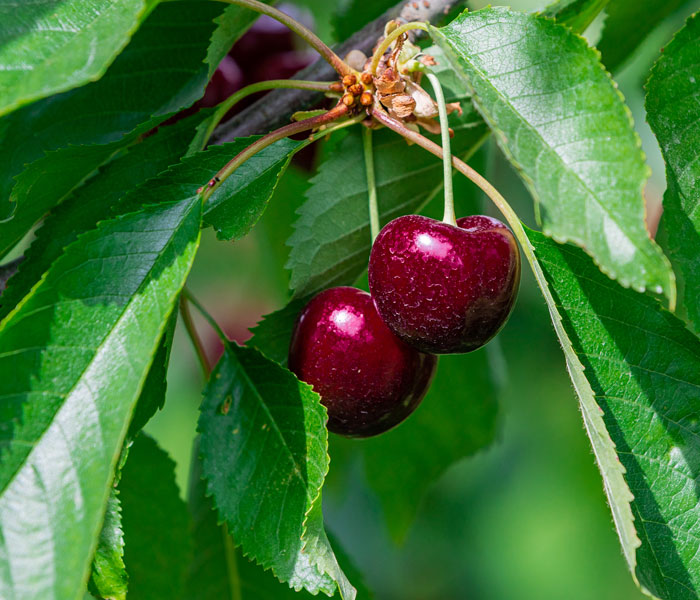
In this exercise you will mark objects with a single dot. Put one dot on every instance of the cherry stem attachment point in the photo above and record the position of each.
(371, 182)
(500, 202)
(389, 39)
(309, 36)
(194, 336)
(333, 114)
(223, 107)
(449, 216)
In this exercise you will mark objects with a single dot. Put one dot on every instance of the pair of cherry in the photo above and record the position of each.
(435, 289)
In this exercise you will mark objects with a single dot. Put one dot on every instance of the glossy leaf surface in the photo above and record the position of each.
(160, 72)
(643, 368)
(80, 345)
(564, 126)
(674, 115)
(50, 47)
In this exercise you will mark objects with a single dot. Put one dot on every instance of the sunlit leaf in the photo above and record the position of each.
(563, 125)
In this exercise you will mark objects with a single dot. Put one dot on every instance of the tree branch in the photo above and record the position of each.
(275, 108)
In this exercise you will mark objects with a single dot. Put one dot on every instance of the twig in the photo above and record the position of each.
(275, 108)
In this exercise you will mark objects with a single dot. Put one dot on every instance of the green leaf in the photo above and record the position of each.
(353, 15)
(627, 24)
(238, 203)
(673, 113)
(575, 14)
(98, 199)
(160, 72)
(563, 124)
(109, 577)
(274, 331)
(642, 372)
(158, 543)
(331, 241)
(152, 398)
(79, 347)
(264, 455)
(219, 569)
(456, 419)
(231, 25)
(53, 46)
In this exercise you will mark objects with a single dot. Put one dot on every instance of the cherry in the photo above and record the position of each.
(227, 79)
(444, 289)
(368, 379)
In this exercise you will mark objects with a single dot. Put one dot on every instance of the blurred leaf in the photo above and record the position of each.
(643, 368)
(627, 24)
(237, 204)
(7, 271)
(353, 15)
(108, 572)
(158, 545)
(331, 241)
(100, 198)
(160, 72)
(53, 46)
(79, 346)
(563, 125)
(264, 455)
(457, 418)
(576, 14)
(673, 113)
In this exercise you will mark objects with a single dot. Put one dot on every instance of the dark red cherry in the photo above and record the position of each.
(444, 289)
(227, 79)
(368, 379)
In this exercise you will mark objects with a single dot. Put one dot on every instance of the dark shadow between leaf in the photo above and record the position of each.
(660, 567)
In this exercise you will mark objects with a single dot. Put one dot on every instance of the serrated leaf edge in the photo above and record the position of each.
(671, 279)
(125, 425)
(146, 7)
(209, 493)
(617, 491)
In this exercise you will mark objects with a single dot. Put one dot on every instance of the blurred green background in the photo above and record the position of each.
(526, 517)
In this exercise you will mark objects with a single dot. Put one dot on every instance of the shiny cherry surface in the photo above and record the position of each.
(368, 379)
(444, 289)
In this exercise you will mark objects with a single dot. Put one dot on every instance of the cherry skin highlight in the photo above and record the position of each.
(444, 289)
(368, 379)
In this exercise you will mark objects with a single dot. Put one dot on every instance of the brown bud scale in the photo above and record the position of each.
(348, 99)
(349, 80)
(366, 99)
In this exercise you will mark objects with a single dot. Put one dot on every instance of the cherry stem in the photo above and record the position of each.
(500, 202)
(223, 107)
(334, 113)
(371, 182)
(205, 313)
(313, 40)
(449, 216)
(389, 39)
(194, 336)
